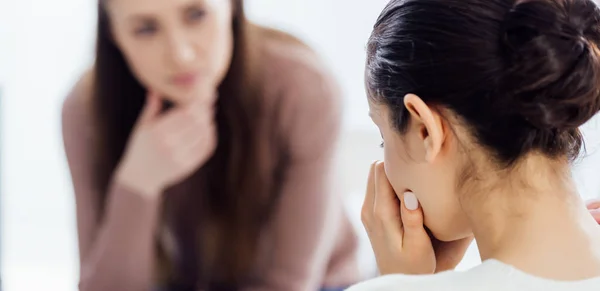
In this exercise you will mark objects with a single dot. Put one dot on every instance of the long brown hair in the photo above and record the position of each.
(222, 208)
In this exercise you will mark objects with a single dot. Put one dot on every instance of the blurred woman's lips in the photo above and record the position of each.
(184, 79)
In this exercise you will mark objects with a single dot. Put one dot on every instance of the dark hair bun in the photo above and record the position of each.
(553, 62)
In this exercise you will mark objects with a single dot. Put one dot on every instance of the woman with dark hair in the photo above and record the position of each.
(483, 98)
(199, 147)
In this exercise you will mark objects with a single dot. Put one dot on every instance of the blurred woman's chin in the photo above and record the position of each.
(178, 97)
(181, 95)
(171, 99)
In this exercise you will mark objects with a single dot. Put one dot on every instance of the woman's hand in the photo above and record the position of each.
(166, 148)
(399, 239)
(594, 207)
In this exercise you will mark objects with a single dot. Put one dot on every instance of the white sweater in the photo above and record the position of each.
(491, 275)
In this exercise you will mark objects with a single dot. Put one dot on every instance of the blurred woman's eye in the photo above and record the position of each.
(381, 145)
(146, 29)
(195, 14)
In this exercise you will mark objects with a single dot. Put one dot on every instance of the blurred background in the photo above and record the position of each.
(45, 46)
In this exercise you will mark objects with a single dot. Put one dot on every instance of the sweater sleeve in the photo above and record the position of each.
(116, 251)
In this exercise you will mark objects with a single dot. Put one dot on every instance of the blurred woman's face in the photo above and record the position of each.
(179, 48)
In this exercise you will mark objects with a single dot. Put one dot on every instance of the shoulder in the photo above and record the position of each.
(294, 74)
(79, 97)
(301, 94)
(442, 281)
(77, 106)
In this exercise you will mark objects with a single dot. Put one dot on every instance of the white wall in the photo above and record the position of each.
(45, 44)
(338, 29)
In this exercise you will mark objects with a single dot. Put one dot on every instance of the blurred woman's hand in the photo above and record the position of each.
(166, 148)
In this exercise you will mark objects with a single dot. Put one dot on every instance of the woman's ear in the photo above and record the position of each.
(429, 123)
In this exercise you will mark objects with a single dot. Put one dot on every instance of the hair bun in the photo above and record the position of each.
(552, 62)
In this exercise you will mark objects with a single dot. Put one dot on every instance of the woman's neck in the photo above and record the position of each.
(538, 224)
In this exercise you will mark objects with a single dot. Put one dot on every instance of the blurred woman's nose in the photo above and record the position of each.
(181, 50)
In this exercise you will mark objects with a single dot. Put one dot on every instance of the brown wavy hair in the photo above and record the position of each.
(219, 211)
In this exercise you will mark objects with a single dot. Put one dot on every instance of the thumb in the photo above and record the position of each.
(151, 108)
(415, 234)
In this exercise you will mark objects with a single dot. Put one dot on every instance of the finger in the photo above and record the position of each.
(369, 201)
(387, 205)
(205, 97)
(182, 118)
(195, 137)
(201, 112)
(181, 131)
(151, 108)
(415, 234)
(190, 151)
(198, 149)
(180, 135)
(593, 204)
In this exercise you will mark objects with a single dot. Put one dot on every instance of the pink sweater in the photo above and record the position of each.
(310, 242)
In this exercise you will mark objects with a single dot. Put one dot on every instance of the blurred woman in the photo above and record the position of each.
(479, 103)
(199, 146)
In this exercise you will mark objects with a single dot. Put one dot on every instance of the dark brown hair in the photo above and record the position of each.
(523, 75)
(218, 218)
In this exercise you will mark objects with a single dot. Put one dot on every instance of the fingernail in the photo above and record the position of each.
(410, 201)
